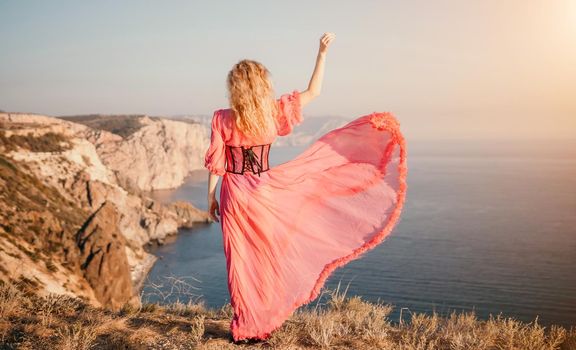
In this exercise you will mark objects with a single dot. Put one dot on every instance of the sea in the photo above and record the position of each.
(488, 226)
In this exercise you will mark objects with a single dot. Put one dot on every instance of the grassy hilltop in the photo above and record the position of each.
(62, 322)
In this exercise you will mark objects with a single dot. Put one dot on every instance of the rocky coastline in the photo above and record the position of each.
(74, 214)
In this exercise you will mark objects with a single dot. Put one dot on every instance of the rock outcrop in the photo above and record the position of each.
(103, 256)
(68, 226)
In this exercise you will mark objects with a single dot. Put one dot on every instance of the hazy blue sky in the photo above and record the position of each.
(446, 69)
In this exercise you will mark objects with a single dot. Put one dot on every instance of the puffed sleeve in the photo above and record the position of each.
(290, 112)
(215, 158)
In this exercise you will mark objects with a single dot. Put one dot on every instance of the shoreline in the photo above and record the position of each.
(165, 197)
(141, 272)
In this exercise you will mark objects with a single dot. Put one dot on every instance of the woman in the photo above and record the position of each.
(285, 229)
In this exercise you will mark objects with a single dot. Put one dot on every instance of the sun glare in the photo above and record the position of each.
(571, 14)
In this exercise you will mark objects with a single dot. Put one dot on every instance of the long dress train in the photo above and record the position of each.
(285, 230)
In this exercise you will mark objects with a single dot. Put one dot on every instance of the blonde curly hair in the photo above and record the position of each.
(251, 97)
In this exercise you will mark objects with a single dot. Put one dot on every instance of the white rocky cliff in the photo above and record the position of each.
(141, 160)
(74, 217)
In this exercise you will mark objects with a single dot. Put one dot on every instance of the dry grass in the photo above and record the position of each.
(49, 142)
(61, 322)
(123, 125)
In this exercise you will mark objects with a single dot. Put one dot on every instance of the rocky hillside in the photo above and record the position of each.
(138, 148)
(73, 217)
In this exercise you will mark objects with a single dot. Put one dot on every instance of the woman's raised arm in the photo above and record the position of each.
(315, 84)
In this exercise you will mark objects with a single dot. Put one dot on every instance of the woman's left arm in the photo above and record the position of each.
(213, 207)
(215, 161)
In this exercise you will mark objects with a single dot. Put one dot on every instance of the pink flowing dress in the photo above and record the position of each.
(287, 229)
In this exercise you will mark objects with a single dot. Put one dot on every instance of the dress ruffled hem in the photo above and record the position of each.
(384, 121)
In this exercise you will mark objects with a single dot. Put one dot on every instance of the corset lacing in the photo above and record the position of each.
(250, 161)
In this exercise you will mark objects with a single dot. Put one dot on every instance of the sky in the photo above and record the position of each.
(447, 69)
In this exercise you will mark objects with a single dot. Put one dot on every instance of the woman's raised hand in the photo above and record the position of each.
(325, 41)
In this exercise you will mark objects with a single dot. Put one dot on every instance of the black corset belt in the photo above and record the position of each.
(241, 159)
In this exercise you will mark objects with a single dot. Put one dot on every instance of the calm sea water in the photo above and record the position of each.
(486, 226)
